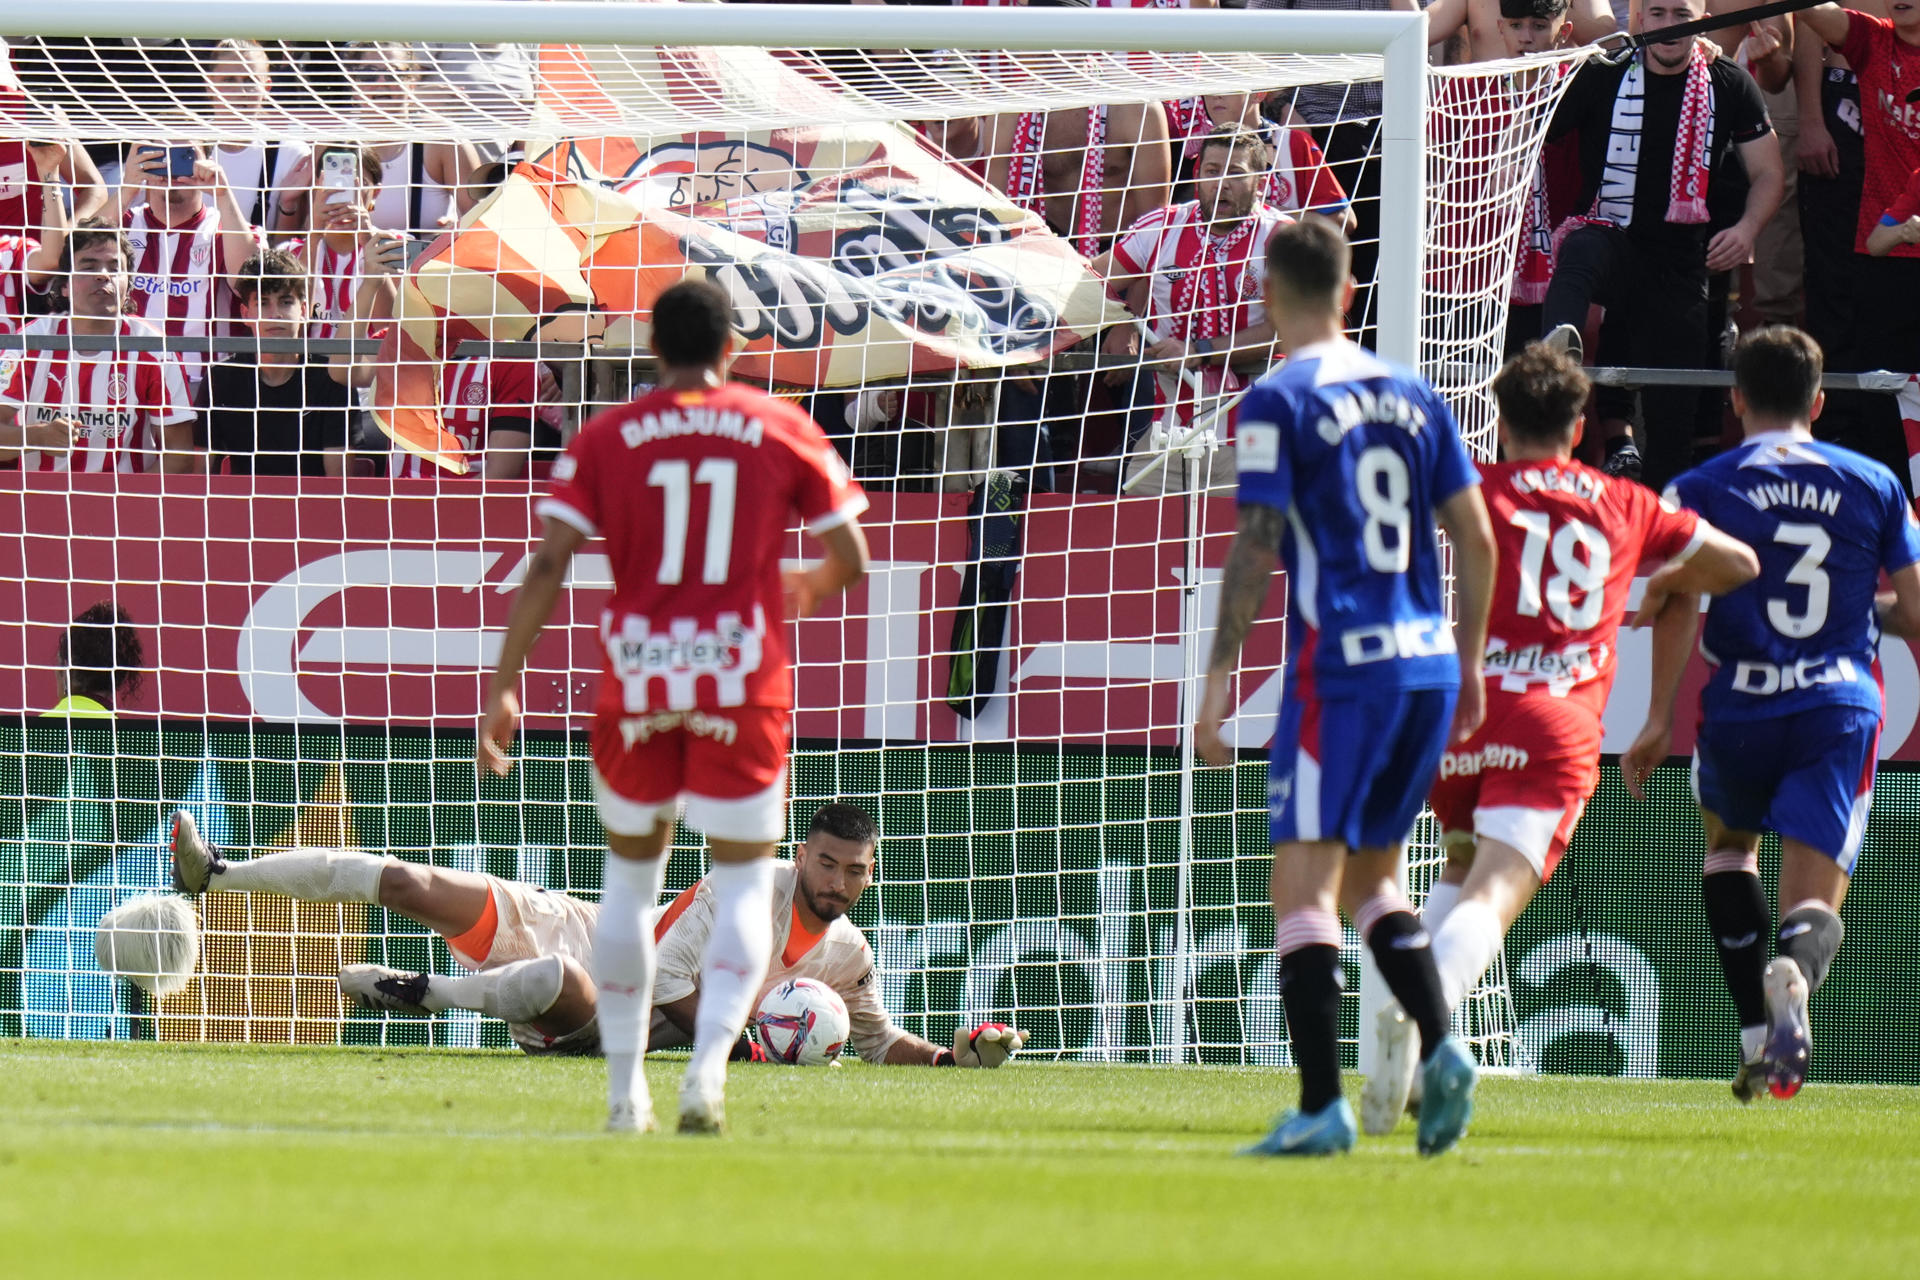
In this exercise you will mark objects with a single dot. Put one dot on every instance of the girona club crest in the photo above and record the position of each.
(117, 387)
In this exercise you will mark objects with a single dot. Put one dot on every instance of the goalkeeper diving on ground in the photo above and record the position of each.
(530, 950)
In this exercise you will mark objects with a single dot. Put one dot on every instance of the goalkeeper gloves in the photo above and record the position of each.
(747, 1049)
(987, 1045)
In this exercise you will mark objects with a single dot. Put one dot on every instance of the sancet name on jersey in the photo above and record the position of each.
(1793, 493)
(692, 420)
(1361, 406)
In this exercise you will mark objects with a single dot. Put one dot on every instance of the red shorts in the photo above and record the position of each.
(724, 771)
(1524, 779)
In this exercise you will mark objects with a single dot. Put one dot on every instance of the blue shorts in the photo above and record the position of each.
(1807, 776)
(1355, 770)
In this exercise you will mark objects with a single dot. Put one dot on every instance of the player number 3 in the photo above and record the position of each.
(675, 480)
(1806, 572)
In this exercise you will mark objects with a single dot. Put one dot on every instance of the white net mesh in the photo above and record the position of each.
(981, 306)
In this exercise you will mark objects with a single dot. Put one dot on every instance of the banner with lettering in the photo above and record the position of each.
(851, 253)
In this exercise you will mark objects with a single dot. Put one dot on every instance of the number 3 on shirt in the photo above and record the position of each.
(1381, 484)
(675, 480)
(1806, 572)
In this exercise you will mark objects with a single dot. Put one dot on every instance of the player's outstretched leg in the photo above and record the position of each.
(311, 875)
(623, 970)
(732, 969)
(521, 992)
(1308, 941)
(1738, 915)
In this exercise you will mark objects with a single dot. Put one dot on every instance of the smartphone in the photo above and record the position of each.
(339, 174)
(180, 161)
(416, 247)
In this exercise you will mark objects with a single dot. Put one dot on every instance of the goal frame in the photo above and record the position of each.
(1398, 38)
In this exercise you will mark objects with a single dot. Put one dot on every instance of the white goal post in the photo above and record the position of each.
(1052, 854)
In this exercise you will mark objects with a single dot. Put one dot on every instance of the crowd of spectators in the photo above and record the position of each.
(1766, 173)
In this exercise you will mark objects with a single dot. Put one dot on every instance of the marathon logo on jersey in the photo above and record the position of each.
(692, 420)
(1764, 679)
(1495, 755)
(1419, 638)
(1585, 485)
(111, 420)
(157, 284)
(681, 654)
(1361, 407)
(700, 724)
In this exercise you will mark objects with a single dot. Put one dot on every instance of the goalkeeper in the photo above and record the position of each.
(530, 950)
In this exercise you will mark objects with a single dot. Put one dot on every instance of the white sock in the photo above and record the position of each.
(311, 875)
(623, 962)
(1752, 1041)
(1464, 947)
(1441, 900)
(732, 967)
(518, 992)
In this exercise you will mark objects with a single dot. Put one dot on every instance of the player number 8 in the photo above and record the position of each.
(1380, 478)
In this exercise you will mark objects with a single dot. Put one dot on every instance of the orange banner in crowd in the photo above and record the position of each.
(852, 253)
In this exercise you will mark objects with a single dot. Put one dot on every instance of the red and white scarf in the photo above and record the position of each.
(1027, 183)
(1692, 146)
(1533, 266)
(1207, 295)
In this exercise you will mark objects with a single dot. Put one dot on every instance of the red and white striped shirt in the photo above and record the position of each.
(20, 190)
(478, 397)
(333, 277)
(14, 285)
(177, 280)
(123, 398)
(1300, 178)
(1202, 285)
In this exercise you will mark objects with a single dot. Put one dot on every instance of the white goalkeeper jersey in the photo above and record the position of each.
(839, 957)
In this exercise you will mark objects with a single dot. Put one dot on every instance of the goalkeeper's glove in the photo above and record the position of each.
(747, 1049)
(987, 1045)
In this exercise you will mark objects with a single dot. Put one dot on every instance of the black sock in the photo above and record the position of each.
(1310, 983)
(1402, 951)
(1810, 937)
(1737, 915)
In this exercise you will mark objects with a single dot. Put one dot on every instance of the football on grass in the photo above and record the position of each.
(803, 1022)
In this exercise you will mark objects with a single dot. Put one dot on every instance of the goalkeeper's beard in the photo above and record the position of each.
(823, 910)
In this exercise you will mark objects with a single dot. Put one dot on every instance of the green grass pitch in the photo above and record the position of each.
(147, 1160)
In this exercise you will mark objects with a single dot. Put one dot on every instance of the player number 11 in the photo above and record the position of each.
(675, 480)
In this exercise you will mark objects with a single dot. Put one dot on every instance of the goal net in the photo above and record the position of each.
(377, 286)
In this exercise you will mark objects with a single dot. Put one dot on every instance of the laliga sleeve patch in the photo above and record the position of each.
(1259, 446)
(564, 467)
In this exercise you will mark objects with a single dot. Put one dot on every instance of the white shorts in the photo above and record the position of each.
(760, 818)
(531, 922)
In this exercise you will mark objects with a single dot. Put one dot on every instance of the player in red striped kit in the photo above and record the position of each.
(695, 487)
(1569, 539)
(98, 411)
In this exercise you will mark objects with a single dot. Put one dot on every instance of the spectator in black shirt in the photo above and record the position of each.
(273, 414)
(1645, 247)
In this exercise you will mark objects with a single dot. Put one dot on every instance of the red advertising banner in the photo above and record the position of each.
(383, 603)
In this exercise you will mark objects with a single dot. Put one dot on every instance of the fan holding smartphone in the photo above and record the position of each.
(185, 244)
(344, 254)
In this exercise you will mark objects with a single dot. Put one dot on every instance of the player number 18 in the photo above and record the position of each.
(1571, 573)
(675, 479)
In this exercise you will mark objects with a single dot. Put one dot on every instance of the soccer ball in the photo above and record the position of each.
(803, 1023)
